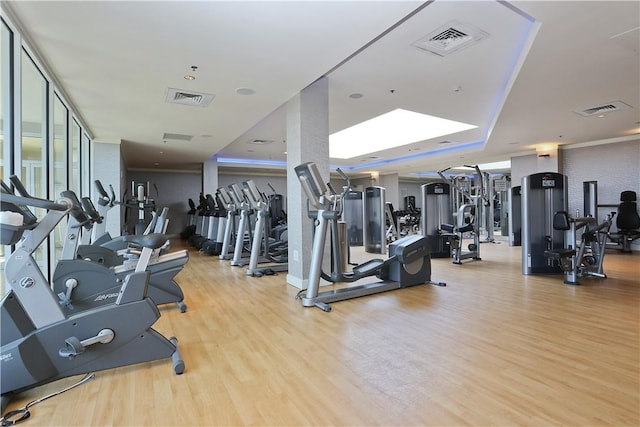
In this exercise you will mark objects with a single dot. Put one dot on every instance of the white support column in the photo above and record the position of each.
(391, 184)
(210, 176)
(307, 140)
(107, 168)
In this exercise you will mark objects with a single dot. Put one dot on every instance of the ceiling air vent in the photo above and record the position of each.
(450, 38)
(183, 97)
(603, 109)
(176, 137)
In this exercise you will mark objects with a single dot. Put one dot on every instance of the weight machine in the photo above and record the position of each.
(467, 201)
(586, 258)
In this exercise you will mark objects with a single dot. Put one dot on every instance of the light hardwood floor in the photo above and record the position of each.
(493, 347)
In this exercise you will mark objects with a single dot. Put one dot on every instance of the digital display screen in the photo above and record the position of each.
(438, 190)
(548, 183)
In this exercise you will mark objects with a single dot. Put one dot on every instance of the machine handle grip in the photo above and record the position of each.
(76, 209)
(35, 202)
(19, 187)
(101, 189)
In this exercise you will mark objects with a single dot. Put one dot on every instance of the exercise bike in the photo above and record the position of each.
(39, 342)
(82, 284)
(409, 263)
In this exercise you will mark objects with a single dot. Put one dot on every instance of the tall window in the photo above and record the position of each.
(6, 118)
(6, 89)
(59, 162)
(85, 152)
(33, 150)
(74, 159)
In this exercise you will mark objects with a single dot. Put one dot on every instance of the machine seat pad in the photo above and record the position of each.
(447, 227)
(151, 241)
(560, 253)
(466, 228)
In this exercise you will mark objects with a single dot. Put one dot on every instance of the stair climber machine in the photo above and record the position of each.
(261, 239)
(409, 263)
(84, 284)
(39, 342)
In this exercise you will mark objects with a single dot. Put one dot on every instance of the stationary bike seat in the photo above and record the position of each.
(151, 241)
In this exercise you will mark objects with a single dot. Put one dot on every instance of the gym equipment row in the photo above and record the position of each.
(43, 340)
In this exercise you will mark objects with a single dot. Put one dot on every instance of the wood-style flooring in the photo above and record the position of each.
(493, 347)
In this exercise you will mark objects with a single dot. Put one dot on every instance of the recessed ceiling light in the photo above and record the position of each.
(157, 164)
(189, 77)
(356, 95)
(245, 91)
(390, 130)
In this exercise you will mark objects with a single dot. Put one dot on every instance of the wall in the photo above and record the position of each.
(614, 166)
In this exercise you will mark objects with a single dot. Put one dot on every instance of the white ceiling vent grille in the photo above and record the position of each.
(183, 97)
(603, 109)
(450, 38)
(176, 137)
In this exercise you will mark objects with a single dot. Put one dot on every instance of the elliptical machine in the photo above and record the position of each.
(39, 342)
(409, 263)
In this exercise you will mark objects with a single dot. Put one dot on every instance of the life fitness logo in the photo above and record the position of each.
(27, 282)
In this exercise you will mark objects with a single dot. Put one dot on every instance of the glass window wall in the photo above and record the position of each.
(59, 161)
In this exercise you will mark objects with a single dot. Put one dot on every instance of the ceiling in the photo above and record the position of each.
(539, 63)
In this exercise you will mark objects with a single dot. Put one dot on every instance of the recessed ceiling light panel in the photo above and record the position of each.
(393, 129)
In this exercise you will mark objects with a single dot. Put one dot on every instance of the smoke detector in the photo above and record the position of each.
(260, 141)
(602, 109)
(450, 38)
(183, 97)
